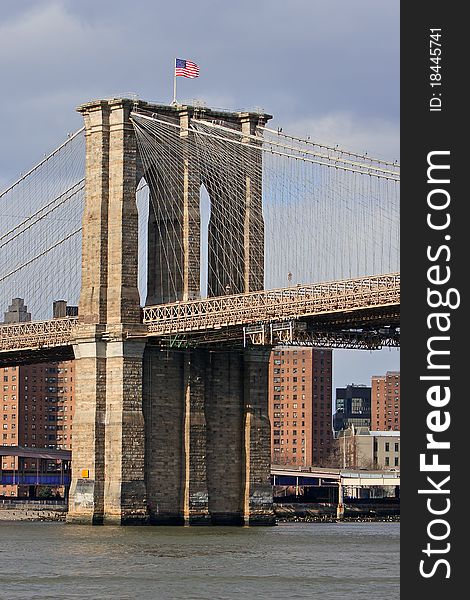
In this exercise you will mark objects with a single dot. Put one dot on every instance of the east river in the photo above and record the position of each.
(326, 561)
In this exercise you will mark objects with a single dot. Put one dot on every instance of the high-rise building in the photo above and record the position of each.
(300, 381)
(38, 404)
(37, 410)
(352, 407)
(17, 312)
(385, 401)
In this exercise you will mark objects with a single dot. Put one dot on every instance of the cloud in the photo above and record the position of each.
(46, 37)
(44, 53)
(379, 138)
(327, 69)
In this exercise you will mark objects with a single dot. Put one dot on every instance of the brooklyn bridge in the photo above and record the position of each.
(178, 244)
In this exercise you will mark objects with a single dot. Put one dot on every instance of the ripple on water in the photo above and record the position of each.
(333, 561)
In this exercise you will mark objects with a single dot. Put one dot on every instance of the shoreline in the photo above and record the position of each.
(311, 512)
(332, 519)
(284, 513)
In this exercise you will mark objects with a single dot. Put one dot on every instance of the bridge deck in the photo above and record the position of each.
(274, 305)
(348, 477)
(341, 302)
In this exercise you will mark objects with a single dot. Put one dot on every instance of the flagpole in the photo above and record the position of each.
(174, 85)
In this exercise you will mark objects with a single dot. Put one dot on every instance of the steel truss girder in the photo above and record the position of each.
(342, 314)
(269, 306)
(36, 335)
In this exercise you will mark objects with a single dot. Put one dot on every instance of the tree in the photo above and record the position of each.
(45, 492)
(334, 458)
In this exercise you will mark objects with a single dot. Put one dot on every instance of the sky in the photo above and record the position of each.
(325, 69)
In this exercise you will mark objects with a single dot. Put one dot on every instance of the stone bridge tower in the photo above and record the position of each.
(163, 436)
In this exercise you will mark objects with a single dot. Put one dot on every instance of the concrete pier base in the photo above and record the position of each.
(205, 424)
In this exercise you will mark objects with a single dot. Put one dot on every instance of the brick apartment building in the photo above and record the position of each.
(300, 392)
(37, 411)
(385, 402)
(37, 402)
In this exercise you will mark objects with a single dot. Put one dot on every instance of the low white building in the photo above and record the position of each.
(364, 449)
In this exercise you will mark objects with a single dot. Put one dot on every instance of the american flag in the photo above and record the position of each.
(186, 68)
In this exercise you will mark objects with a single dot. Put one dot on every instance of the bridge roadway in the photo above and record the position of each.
(318, 476)
(305, 314)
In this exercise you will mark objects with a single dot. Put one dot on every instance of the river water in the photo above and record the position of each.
(328, 561)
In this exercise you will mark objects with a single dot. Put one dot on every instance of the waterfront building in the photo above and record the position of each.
(385, 401)
(37, 407)
(300, 405)
(37, 412)
(361, 448)
(352, 406)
